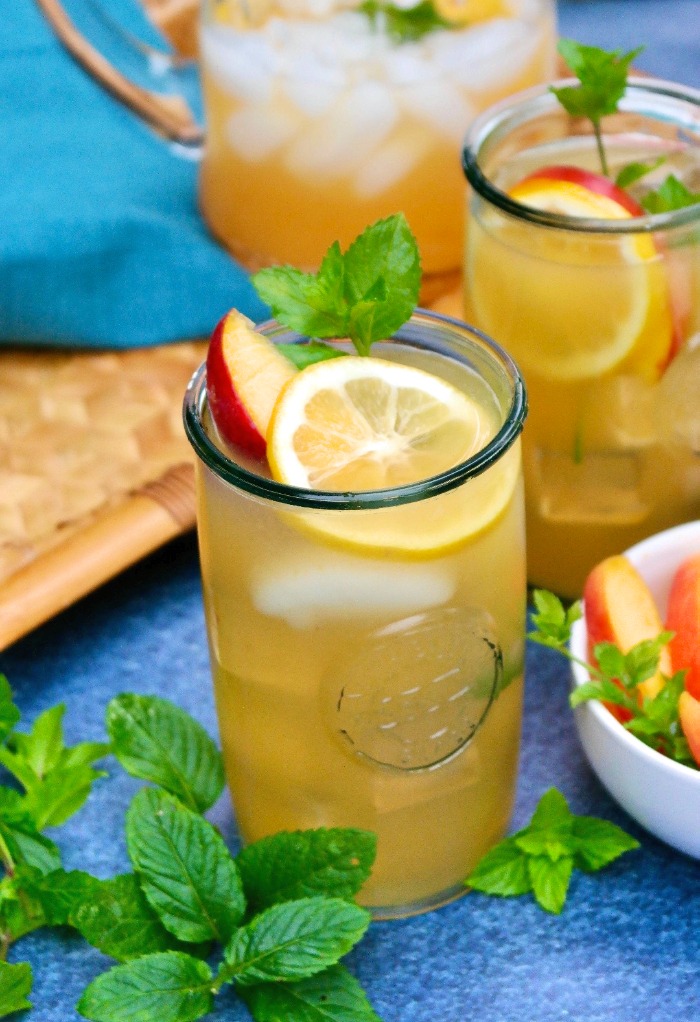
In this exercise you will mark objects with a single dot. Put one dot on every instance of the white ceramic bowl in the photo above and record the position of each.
(661, 795)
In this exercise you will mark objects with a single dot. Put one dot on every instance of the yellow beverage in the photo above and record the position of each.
(320, 123)
(367, 650)
(603, 318)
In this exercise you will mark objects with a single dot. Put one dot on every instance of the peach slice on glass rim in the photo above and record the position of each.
(590, 180)
(620, 608)
(245, 374)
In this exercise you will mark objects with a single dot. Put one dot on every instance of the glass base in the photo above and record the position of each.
(416, 908)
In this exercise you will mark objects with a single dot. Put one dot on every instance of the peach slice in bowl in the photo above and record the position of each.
(663, 796)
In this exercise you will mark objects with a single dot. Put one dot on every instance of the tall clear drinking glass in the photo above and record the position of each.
(367, 648)
(602, 315)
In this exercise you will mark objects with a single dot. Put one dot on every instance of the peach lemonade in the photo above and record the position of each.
(323, 115)
(362, 549)
(594, 287)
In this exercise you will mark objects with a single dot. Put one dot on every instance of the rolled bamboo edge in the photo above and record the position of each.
(115, 540)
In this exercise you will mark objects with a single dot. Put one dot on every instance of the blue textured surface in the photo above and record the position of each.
(625, 948)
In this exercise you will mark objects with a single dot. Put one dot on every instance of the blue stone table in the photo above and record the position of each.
(627, 946)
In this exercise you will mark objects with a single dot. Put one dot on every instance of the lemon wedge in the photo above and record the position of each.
(355, 424)
(465, 12)
(568, 305)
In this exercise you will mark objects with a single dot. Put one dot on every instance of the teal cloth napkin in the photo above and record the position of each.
(101, 242)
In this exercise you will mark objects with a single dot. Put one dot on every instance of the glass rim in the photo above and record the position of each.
(244, 479)
(514, 111)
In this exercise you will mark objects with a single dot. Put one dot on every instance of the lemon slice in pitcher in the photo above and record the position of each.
(570, 305)
(362, 423)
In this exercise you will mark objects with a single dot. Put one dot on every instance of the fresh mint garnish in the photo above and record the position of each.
(635, 171)
(672, 194)
(184, 867)
(541, 857)
(615, 677)
(280, 923)
(405, 24)
(158, 742)
(333, 996)
(602, 75)
(15, 986)
(364, 294)
(302, 863)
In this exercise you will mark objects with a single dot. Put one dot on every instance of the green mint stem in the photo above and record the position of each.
(6, 856)
(600, 147)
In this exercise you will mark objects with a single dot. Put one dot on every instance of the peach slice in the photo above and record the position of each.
(683, 618)
(245, 374)
(689, 713)
(597, 183)
(619, 608)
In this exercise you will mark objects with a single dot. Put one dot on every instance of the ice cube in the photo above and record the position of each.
(312, 85)
(603, 488)
(391, 162)
(440, 105)
(255, 132)
(408, 65)
(305, 594)
(678, 405)
(245, 66)
(488, 55)
(346, 136)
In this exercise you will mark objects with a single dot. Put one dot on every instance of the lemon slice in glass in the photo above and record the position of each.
(570, 305)
(355, 424)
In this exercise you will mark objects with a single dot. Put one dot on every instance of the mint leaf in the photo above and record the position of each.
(550, 880)
(634, 171)
(60, 893)
(331, 996)
(117, 919)
(365, 294)
(672, 194)
(20, 913)
(382, 280)
(502, 871)
(15, 986)
(552, 621)
(42, 747)
(54, 799)
(603, 78)
(303, 355)
(302, 863)
(405, 24)
(293, 940)
(9, 714)
(167, 987)
(185, 869)
(156, 741)
(552, 811)
(599, 843)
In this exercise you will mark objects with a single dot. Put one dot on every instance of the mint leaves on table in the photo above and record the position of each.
(541, 858)
(615, 677)
(364, 294)
(405, 24)
(281, 914)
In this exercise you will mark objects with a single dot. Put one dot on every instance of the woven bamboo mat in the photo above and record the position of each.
(95, 471)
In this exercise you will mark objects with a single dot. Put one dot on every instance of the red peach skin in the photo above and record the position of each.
(689, 713)
(619, 608)
(597, 183)
(245, 374)
(683, 618)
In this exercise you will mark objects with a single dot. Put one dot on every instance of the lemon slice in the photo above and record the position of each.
(465, 12)
(355, 424)
(568, 305)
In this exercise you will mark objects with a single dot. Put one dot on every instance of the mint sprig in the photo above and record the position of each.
(602, 76)
(282, 919)
(405, 24)
(671, 194)
(541, 858)
(615, 677)
(364, 294)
